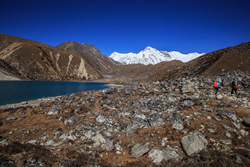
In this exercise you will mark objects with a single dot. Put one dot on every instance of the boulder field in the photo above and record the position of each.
(176, 123)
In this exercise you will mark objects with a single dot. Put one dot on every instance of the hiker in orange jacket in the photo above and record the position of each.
(216, 86)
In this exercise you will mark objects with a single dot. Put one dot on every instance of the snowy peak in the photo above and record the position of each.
(149, 49)
(147, 56)
(152, 56)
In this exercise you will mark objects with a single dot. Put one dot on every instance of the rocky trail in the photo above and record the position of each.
(177, 123)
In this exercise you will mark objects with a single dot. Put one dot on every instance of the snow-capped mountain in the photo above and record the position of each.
(152, 56)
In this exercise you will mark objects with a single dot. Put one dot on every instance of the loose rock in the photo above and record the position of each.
(193, 143)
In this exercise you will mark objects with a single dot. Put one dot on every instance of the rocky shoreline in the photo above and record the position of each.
(176, 123)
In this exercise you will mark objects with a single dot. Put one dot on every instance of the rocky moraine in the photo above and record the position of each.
(180, 122)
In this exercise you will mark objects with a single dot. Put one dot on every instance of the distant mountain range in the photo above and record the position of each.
(152, 56)
(216, 62)
(30, 60)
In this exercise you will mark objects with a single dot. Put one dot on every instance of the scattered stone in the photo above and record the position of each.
(32, 142)
(158, 156)
(187, 103)
(57, 106)
(11, 118)
(53, 112)
(101, 118)
(164, 141)
(246, 121)
(219, 96)
(139, 150)
(216, 117)
(67, 136)
(212, 130)
(134, 125)
(34, 161)
(118, 152)
(98, 140)
(237, 159)
(4, 142)
(222, 105)
(226, 141)
(228, 134)
(176, 121)
(244, 132)
(108, 145)
(227, 115)
(236, 124)
(58, 144)
(50, 143)
(7, 163)
(193, 143)
(70, 121)
(66, 164)
(229, 128)
(57, 134)
(155, 120)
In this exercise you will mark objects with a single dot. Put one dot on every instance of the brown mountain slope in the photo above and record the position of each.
(143, 73)
(223, 60)
(37, 61)
(7, 72)
(90, 53)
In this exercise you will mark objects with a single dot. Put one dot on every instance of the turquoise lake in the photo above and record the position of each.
(18, 91)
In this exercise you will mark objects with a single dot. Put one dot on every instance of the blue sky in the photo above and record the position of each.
(130, 25)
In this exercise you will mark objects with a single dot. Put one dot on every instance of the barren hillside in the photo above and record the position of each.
(37, 61)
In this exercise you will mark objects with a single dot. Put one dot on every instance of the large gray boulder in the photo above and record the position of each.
(139, 150)
(157, 156)
(193, 143)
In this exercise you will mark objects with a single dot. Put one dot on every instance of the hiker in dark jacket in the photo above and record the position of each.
(234, 86)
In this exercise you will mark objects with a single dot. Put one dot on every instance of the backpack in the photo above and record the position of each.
(235, 84)
(216, 84)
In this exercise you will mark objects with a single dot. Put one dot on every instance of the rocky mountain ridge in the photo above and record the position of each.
(176, 123)
(90, 53)
(152, 56)
(31, 60)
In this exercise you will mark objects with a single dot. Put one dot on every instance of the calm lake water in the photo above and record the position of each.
(18, 91)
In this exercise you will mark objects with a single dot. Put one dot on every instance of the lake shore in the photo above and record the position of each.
(33, 103)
